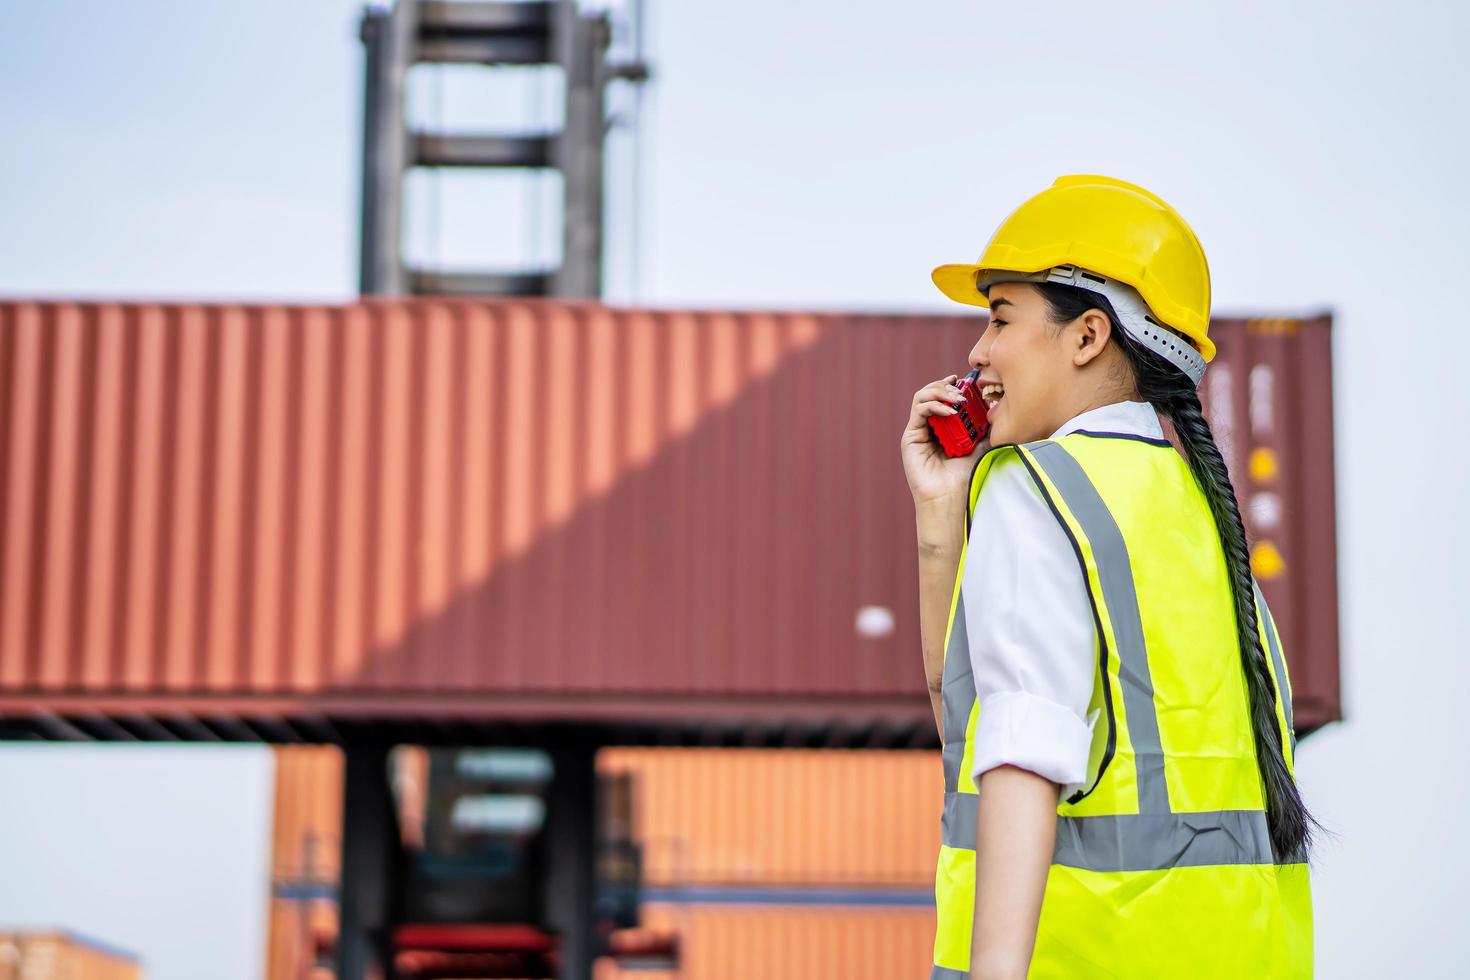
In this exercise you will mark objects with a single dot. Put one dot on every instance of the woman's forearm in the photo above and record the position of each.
(941, 537)
(1015, 835)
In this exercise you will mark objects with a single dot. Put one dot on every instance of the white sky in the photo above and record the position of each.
(800, 155)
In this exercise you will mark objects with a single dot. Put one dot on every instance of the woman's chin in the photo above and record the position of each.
(1005, 430)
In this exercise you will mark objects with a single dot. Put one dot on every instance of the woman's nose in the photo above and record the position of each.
(980, 354)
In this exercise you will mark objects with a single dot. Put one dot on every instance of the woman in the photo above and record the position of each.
(1109, 685)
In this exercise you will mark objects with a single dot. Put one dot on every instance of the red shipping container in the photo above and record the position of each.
(263, 522)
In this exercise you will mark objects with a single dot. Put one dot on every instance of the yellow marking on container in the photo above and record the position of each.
(1274, 326)
(1266, 561)
(1263, 465)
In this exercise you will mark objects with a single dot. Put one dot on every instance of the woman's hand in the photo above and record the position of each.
(932, 475)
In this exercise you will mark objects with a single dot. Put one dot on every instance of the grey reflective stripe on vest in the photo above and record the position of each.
(957, 828)
(1278, 662)
(952, 755)
(1135, 841)
(1115, 575)
(1156, 841)
(957, 696)
(938, 972)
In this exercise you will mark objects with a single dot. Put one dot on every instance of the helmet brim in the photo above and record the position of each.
(957, 281)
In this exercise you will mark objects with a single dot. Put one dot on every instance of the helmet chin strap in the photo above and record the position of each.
(1132, 312)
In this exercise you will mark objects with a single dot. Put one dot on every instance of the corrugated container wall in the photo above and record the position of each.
(298, 929)
(308, 813)
(305, 857)
(790, 943)
(62, 955)
(724, 816)
(508, 510)
(1268, 394)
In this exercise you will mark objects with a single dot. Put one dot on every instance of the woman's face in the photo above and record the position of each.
(1033, 360)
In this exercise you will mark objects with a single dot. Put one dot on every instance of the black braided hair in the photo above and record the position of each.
(1172, 393)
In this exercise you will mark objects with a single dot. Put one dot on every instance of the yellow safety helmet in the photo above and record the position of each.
(1106, 226)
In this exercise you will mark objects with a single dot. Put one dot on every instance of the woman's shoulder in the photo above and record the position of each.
(1008, 493)
(1017, 544)
(1005, 470)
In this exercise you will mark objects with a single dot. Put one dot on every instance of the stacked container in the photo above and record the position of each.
(55, 954)
(305, 864)
(763, 862)
(786, 863)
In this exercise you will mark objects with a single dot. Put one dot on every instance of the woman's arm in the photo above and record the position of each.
(941, 489)
(941, 534)
(1013, 850)
(1033, 657)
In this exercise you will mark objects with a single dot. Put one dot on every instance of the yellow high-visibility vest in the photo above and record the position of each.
(1163, 865)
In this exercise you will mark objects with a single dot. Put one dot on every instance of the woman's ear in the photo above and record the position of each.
(1093, 329)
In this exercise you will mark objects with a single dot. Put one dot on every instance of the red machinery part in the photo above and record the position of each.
(471, 938)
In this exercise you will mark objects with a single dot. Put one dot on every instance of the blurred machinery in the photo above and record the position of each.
(470, 864)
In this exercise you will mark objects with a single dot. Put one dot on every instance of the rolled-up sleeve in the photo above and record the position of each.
(1031, 633)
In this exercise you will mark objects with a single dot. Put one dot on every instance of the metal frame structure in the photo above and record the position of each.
(493, 34)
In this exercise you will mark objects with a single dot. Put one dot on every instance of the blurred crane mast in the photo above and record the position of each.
(498, 33)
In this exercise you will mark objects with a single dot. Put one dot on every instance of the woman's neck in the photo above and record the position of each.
(1097, 398)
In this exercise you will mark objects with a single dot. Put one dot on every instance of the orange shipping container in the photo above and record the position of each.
(63, 955)
(298, 929)
(784, 816)
(305, 858)
(308, 813)
(783, 942)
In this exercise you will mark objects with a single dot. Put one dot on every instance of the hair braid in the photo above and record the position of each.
(1287, 816)
(1170, 391)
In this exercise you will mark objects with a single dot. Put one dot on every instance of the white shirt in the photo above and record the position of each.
(1029, 620)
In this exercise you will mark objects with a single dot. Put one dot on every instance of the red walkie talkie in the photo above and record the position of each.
(961, 432)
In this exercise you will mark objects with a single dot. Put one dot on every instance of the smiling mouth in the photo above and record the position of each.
(992, 394)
